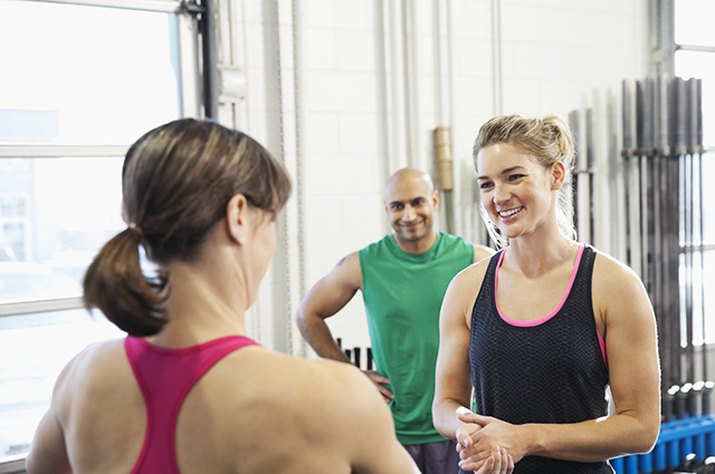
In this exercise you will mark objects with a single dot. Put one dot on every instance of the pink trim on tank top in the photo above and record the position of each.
(536, 322)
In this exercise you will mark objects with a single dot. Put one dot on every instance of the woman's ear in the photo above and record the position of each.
(558, 175)
(237, 218)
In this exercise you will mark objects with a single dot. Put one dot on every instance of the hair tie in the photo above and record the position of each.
(135, 228)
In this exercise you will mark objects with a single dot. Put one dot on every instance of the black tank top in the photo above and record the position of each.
(548, 371)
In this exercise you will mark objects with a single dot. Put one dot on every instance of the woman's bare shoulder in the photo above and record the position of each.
(472, 276)
(315, 398)
(299, 374)
(611, 274)
(317, 387)
(97, 360)
(310, 411)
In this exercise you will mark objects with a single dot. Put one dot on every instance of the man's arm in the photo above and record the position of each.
(328, 296)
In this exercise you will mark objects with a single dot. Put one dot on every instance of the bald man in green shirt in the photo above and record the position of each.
(403, 278)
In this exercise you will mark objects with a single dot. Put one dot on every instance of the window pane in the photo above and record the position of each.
(85, 75)
(701, 65)
(27, 374)
(55, 213)
(693, 22)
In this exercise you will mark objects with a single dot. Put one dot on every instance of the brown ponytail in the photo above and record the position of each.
(115, 284)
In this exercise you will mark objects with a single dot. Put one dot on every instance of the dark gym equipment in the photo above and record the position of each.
(662, 239)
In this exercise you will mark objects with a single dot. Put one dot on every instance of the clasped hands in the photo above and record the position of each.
(486, 444)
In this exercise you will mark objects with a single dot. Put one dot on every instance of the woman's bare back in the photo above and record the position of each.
(254, 411)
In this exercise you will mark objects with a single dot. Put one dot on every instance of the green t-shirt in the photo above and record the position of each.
(403, 293)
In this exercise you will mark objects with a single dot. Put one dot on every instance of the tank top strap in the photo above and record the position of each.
(165, 377)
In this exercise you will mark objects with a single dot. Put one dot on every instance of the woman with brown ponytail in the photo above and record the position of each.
(187, 390)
